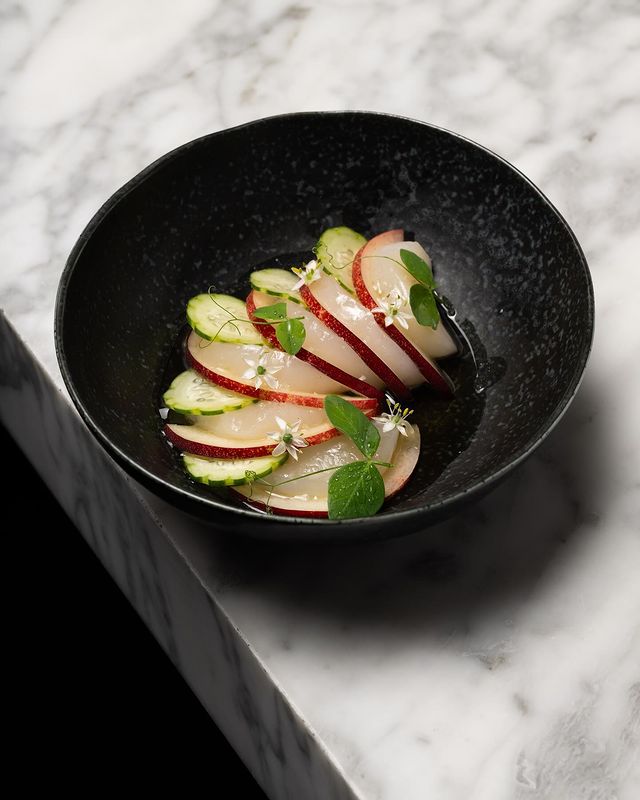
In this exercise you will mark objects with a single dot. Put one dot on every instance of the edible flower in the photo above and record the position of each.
(259, 373)
(307, 274)
(396, 417)
(288, 438)
(391, 306)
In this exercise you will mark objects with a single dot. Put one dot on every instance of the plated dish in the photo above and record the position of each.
(282, 395)
(257, 197)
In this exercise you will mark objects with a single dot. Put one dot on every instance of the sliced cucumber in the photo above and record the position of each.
(335, 252)
(190, 393)
(231, 471)
(276, 282)
(221, 318)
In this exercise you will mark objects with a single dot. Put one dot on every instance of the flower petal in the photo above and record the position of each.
(279, 449)
(281, 424)
(388, 426)
(269, 380)
(292, 451)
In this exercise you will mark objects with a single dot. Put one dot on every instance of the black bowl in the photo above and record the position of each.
(209, 211)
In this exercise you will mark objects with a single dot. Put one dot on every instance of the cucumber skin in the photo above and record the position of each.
(235, 481)
(272, 292)
(337, 278)
(194, 411)
(237, 340)
(324, 252)
(254, 339)
(275, 294)
(229, 482)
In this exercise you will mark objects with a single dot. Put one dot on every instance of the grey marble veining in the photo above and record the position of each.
(496, 657)
(189, 622)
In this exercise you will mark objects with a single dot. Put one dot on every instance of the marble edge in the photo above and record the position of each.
(24, 370)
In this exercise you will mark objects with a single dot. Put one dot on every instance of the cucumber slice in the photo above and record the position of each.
(190, 393)
(276, 282)
(231, 471)
(210, 316)
(335, 251)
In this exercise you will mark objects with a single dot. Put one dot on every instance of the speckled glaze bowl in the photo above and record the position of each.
(211, 210)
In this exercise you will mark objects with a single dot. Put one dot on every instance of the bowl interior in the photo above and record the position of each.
(207, 213)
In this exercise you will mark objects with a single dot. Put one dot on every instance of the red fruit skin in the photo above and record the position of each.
(371, 359)
(433, 374)
(268, 332)
(210, 451)
(363, 403)
(292, 512)
(281, 512)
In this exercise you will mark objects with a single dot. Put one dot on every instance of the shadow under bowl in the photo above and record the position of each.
(209, 211)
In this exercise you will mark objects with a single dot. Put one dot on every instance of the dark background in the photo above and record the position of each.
(91, 690)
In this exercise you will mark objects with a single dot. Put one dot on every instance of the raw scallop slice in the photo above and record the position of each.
(433, 374)
(259, 420)
(307, 497)
(333, 303)
(382, 274)
(244, 433)
(333, 356)
(297, 382)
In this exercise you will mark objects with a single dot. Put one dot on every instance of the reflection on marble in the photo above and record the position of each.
(497, 656)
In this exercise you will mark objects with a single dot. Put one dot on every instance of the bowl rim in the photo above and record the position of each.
(442, 505)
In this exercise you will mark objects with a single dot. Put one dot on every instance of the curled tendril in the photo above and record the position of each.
(233, 319)
(331, 258)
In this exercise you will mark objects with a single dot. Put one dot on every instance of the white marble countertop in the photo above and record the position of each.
(498, 656)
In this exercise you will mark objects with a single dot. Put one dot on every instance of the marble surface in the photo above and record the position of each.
(496, 656)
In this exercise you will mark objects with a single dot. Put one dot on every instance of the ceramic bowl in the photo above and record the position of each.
(209, 211)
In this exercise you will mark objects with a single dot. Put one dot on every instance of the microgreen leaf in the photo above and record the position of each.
(423, 305)
(355, 490)
(418, 268)
(353, 423)
(272, 312)
(291, 335)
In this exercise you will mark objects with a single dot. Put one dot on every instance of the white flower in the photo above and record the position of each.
(396, 417)
(391, 306)
(259, 373)
(288, 438)
(307, 274)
